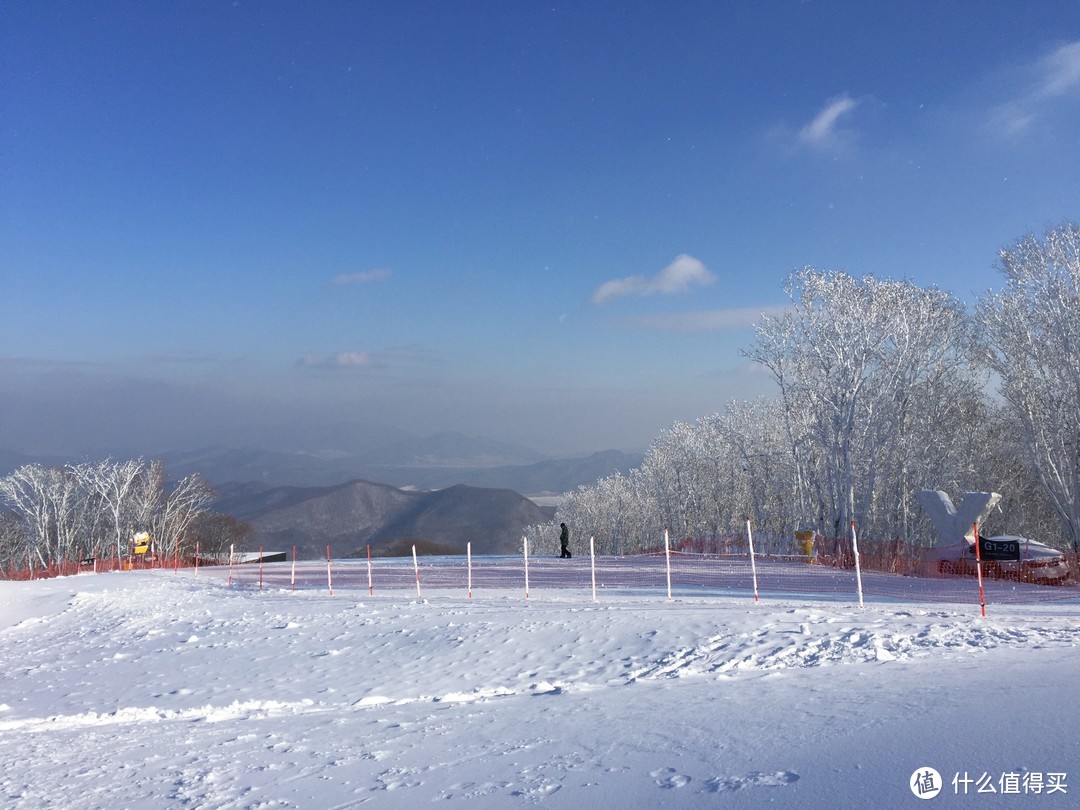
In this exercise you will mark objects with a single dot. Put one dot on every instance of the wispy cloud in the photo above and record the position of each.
(1059, 72)
(682, 274)
(339, 360)
(716, 320)
(364, 277)
(1054, 76)
(31, 362)
(825, 131)
(182, 358)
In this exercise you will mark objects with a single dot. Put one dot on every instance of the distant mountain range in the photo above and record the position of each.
(349, 517)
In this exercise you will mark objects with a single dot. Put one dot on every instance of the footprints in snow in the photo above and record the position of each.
(773, 647)
(671, 779)
(757, 779)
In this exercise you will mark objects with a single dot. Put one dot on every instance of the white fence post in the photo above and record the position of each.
(667, 560)
(753, 565)
(468, 556)
(858, 568)
(592, 556)
(329, 577)
(416, 567)
(525, 548)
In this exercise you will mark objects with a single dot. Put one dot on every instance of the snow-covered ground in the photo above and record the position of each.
(158, 689)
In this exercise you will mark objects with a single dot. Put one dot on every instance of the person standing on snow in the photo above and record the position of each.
(564, 541)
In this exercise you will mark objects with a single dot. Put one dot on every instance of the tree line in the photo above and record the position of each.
(62, 514)
(883, 388)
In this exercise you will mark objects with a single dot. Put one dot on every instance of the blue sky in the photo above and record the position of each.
(551, 224)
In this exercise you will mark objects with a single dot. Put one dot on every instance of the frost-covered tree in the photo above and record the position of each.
(864, 367)
(1032, 336)
(147, 496)
(13, 545)
(180, 507)
(26, 490)
(700, 480)
(90, 523)
(63, 513)
(115, 482)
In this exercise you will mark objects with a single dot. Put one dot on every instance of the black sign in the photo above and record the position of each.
(991, 548)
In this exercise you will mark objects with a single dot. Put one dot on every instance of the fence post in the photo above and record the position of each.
(592, 557)
(260, 567)
(468, 558)
(525, 547)
(667, 560)
(416, 567)
(232, 547)
(329, 576)
(858, 568)
(292, 572)
(753, 565)
(978, 570)
(370, 583)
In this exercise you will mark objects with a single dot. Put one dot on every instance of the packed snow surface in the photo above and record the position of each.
(164, 689)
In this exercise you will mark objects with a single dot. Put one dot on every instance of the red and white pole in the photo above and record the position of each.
(978, 570)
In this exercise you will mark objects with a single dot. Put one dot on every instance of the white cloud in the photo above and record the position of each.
(1048, 79)
(1059, 72)
(824, 131)
(339, 360)
(1011, 119)
(716, 320)
(364, 277)
(682, 274)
